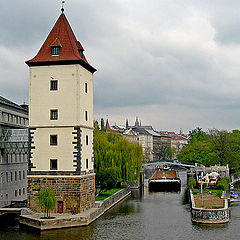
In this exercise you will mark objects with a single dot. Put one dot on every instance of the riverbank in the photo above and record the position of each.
(69, 220)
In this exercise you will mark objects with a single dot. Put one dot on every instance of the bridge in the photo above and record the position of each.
(235, 178)
(174, 163)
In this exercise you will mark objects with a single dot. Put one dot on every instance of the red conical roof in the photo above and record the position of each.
(62, 36)
(107, 128)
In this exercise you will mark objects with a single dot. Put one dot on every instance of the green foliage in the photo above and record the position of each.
(214, 147)
(107, 193)
(102, 124)
(223, 183)
(213, 191)
(197, 135)
(192, 182)
(117, 155)
(106, 179)
(46, 200)
(164, 152)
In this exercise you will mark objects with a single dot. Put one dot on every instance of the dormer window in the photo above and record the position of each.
(80, 49)
(55, 50)
(81, 53)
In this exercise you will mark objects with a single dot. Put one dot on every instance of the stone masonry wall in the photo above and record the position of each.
(76, 192)
(201, 215)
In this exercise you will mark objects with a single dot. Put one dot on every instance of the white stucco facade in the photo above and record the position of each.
(73, 101)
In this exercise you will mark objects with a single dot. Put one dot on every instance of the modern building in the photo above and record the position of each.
(14, 151)
(61, 121)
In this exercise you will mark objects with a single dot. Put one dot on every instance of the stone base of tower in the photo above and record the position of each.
(75, 194)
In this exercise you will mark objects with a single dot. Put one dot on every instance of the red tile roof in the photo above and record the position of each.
(62, 36)
(107, 128)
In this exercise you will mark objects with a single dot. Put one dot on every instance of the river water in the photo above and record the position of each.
(145, 215)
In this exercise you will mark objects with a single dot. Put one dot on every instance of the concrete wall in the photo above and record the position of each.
(201, 215)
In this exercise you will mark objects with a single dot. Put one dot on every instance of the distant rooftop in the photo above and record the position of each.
(7, 102)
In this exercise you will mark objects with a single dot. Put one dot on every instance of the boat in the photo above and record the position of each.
(164, 179)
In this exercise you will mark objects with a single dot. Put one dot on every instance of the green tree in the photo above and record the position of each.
(113, 151)
(215, 147)
(197, 135)
(47, 200)
(106, 179)
(102, 124)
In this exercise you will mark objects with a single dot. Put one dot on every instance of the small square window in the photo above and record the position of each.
(54, 114)
(53, 140)
(54, 85)
(53, 164)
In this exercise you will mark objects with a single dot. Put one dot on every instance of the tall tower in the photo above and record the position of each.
(61, 121)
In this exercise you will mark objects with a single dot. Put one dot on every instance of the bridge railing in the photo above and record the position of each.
(235, 177)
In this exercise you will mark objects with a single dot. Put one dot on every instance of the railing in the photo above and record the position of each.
(235, 178)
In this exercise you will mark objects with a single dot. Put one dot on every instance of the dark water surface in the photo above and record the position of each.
(146, 215)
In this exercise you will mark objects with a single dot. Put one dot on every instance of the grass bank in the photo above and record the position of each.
(218, 192)
(107, 193)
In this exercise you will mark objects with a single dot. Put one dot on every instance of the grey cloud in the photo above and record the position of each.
(163, 59)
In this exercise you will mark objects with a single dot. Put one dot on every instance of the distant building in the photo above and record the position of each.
(14, 151)
(107, 127)
(130, 135)
(145, 139)
(178, 141)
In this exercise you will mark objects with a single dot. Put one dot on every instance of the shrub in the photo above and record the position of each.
(192, 182)
(106, 179)
(47, 200)
(223, 183)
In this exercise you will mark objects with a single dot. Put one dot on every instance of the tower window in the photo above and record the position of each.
(86, 88)
(53, 140)
(86, 139)
(86, 115)
(53, 164)
(54, 85)
(86, 163)
(55, 50)
(54, 114)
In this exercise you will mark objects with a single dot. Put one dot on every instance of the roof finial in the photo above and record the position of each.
(62, 9)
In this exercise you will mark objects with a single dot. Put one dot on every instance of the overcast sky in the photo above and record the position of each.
(173, 63)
